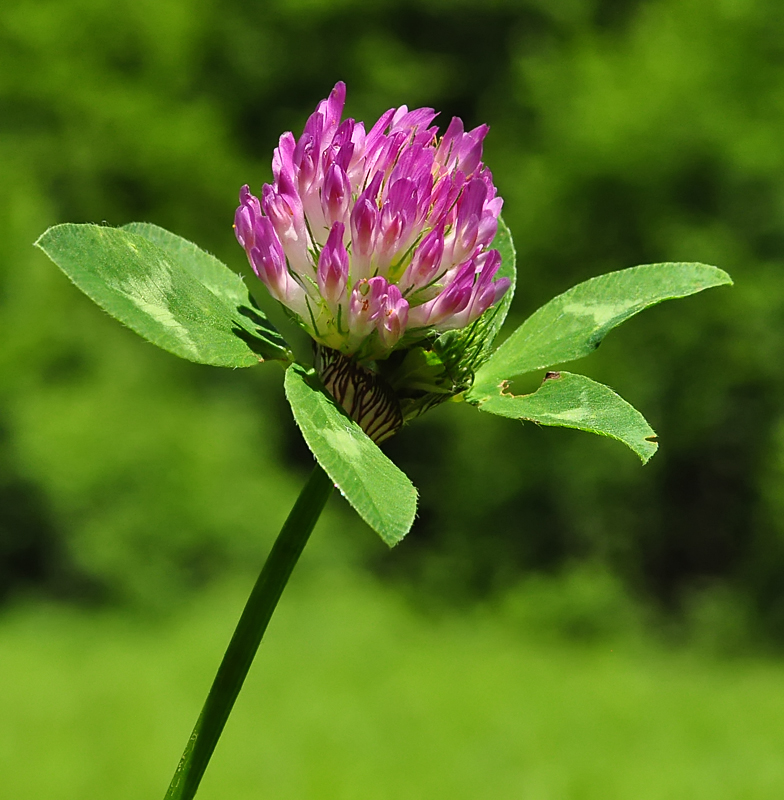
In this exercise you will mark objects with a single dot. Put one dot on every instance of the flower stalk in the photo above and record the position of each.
(248, 634)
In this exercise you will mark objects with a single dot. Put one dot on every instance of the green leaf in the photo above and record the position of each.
(167, 290)
(382, 495)
(207, 269)
(573, 324)
(574, 401)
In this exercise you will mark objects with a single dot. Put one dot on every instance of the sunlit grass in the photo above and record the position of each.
(355, 696)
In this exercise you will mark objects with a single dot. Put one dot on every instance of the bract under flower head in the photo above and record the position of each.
(375, 239)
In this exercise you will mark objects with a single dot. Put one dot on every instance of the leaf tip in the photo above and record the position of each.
(722, 278)
(39, 241)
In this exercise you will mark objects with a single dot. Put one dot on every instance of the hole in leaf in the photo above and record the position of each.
(526, 384)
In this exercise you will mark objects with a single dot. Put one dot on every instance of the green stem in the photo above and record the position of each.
(248, 634)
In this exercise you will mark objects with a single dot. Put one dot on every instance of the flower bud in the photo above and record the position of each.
(393, 319)
(332, 275)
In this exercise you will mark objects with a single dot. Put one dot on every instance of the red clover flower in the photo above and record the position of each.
(376, 240)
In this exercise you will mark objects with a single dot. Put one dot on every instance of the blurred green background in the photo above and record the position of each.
(561, 622)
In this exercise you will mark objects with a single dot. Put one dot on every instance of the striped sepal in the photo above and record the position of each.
(364, 395)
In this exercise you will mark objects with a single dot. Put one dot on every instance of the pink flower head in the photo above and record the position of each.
(373, 239)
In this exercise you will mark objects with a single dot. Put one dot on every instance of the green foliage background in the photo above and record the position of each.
(621, 133)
